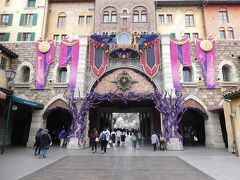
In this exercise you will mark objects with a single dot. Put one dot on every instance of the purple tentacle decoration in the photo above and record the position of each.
(170, 105)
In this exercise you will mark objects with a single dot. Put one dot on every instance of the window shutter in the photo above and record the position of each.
(172, 35)
(21, 20)
(19, 37)
(10, 19)
(35, 19)
(32, 38)
(6, 36)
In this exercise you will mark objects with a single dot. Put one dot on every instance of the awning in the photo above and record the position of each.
(2, 95)
(34, 105)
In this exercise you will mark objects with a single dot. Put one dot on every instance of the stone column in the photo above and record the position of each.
(166, 63)
(82, 65)
(37, 122)
(213, 132)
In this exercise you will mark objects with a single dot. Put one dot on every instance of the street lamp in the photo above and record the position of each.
(10, 75)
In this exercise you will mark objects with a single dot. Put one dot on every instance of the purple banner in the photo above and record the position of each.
(44, 58)
(69, 51)
(206, 57)
(179, 51)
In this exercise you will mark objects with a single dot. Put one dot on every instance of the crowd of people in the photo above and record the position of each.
(117, 138)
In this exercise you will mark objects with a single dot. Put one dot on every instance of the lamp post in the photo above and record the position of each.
(10, 75)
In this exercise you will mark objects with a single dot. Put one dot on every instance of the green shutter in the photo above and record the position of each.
(172, 35)
(35, 19)
(21, 20)
(19, 37)
(6, 36)
(10, 19)
(32, 38)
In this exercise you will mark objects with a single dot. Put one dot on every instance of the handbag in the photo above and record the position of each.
(97, 140)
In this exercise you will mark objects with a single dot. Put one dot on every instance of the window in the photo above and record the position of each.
(187, 74)
(230, 34)
(114, 16)
(81, 20)
(4, 36)
(3, 63)
(31, 3)
(144, 16)
(195, 35)
(161, 18)
(89, 20)
(135, 16)
(5, 19)
(28, 19)
(64, 36)
(61, 21)
(124, 21)
(106, 16)
(189, 22)
(222, 34)
(25, 74)
(26, 36)
(226, 73)
(169, 18)
(56, 37)
(187, 35)
(62, 76)
(223, 16)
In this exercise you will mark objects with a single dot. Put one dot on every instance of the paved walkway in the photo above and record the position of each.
(18, 162)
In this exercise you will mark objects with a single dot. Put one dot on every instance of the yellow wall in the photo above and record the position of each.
(233, 122)
(18, 7)
(72, 11)
(178, 16)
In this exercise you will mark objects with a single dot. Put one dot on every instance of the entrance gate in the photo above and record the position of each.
(166, 103)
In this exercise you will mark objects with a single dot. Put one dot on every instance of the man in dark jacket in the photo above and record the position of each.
(45, 142)
(37, 142)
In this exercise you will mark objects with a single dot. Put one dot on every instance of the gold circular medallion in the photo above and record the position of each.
(44, 47)
(206, 45)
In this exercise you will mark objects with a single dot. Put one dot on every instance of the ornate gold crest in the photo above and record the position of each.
(206, 45)
(44, 47)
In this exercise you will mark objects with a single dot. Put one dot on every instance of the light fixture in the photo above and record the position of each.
(10, 74)
(14, 107)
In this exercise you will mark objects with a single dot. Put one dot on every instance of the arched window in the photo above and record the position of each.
(61, 20)
(187, 74)
(114, 16)
(106, 16)
(144, 16)
(62, 75)
(222, 34)
(226, 73)
(25, 74)
(230, 34)
(223, 15)
(135, 16)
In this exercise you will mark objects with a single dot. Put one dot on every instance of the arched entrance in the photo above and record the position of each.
(57, 117)
(193, 124)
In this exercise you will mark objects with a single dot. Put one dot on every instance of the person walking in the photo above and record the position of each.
(45, 142)
(154, 140)
(162, 141)
(94, 140)
(104, 138)
(37, 142)
(118, 134)
(62, 136)
(113, 137)
(134, 140)
(139, 139)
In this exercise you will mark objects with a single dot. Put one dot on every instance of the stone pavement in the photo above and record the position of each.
(193, 162)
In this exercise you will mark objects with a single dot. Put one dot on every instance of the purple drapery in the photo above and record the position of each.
(43, 61)
(208, 63)
(69, 50)
(179, 50)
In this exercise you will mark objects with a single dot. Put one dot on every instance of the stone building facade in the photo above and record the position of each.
(119, 17)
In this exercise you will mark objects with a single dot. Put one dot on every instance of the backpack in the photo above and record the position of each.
(104, 136)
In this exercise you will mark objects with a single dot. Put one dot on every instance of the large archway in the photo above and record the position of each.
(57, 117)
(193, 124)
